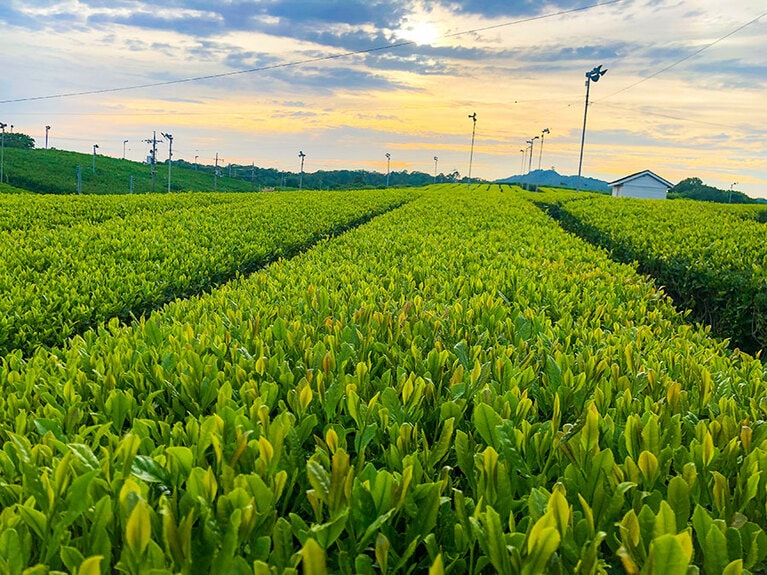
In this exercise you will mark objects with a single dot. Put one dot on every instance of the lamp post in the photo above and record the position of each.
(524, 157)
(388, 167)
(529, 147)
(47, 129)
(124, 142)
(592, 76)
(95, 147)
(301, 173)
(195, 163)
(2, 151)
(732, 185)
(436, 159)
(170, 154)
(540, 155)
(472, 117)
(530, 162)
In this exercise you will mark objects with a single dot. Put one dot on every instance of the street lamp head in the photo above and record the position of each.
(546, 131)
(595, 74)
(47, 127)
(3, 126)
(95, 146)
(436, 158)
(529, 141)
(537, 138)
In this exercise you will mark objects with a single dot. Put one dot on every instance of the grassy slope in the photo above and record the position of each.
(55, 172)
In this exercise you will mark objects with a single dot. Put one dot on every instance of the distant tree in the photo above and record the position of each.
(19, 140)
(695, 189)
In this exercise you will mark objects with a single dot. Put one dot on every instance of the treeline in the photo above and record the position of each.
(695, 189)
(322, 179)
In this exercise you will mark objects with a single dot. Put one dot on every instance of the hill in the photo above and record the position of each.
(55, 172)
(554, 179)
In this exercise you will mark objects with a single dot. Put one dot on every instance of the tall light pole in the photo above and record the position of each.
(528, 147)
(473, 117)
(95, 147)
(732, 185)
(592, 76)
(2, 151)
(47, 129)
(530, 163)
(436, 159)
(388, 167)
(524, 157)
(195, 163)
(170, 154)
(124, 142)
(216, 174)
(540, 155)
(301, 173)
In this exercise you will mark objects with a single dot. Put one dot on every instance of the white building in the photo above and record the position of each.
(641, 185)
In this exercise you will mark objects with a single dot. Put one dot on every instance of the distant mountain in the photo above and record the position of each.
(554, 179)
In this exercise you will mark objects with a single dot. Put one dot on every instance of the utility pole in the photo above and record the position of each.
(169, 137)
(592, 76)
(95, 147)
(301, 174)
(153, 157)
(47, 129)
(472, 117)
(2, 151)
(215, 175)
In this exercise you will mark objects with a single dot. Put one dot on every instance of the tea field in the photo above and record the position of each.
(70, 263)
(456, 385)
(710, 257)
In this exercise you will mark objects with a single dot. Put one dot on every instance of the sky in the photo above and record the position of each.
(348, 81)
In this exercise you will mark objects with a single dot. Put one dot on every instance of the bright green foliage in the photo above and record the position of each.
(71, 263)
(6, 189)
(457, 386)
(710, 258)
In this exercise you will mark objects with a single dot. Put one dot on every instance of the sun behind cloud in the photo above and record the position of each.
(420, 31)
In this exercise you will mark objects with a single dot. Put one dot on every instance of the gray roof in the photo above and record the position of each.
(639, 175)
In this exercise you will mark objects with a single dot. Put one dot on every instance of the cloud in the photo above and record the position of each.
(325, 80)
(510, 8)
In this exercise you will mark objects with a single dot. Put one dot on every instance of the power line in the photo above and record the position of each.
(295, 63)
(688, 57)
